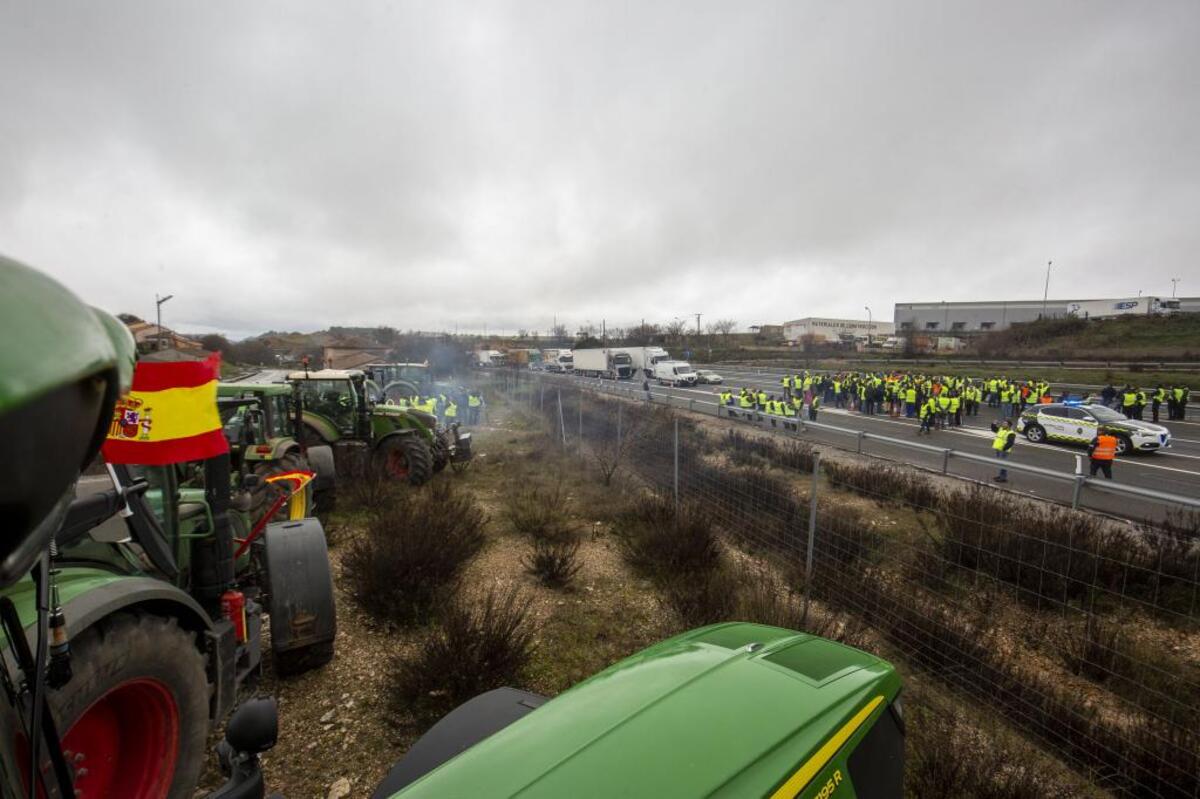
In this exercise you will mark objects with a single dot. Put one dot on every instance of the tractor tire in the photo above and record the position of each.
(265, 494)
(135, 713)
(441, 453)
(405, 458)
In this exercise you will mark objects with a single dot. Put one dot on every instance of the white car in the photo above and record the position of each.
(1069, 423)
(709, 377)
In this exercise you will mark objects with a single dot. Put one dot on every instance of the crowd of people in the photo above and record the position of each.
(460, 405)
(937, 401)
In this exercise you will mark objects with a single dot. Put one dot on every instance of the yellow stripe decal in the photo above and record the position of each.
(804, 775)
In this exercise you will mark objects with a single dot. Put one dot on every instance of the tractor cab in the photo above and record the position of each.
(339, 398)
(400, 381)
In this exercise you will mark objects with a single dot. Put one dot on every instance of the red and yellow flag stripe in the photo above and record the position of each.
(169, 415)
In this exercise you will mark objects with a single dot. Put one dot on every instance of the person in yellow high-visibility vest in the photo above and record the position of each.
(1002, 444)
(474, 403)
(1101, 452)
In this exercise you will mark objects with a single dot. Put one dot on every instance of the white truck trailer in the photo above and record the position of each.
(486, 359)
(644, 358)
(607, 362)
(1132, 306)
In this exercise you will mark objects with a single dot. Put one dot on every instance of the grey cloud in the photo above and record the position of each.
(293, 165)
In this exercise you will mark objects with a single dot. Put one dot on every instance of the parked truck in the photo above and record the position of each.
(487, 359)
(1133, 306)
(613, 364)
(675, 373)
(525, 359)
(558, 360)
(644, 358)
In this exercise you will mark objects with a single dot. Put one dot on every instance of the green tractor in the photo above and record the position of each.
(400, 381)
(260, 420)
(130, 614)
(341, 409)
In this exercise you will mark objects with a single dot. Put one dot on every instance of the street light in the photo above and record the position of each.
(870, 324)
(1174, 284)
(1046, 293)
(158, 304)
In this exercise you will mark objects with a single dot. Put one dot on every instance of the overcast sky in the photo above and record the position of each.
(292, 165)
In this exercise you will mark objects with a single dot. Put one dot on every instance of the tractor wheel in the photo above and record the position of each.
(405, 458)
(265, 494)
(136, 710)
(441, 453)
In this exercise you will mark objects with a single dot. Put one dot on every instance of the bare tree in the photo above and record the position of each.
(723, 326)
(560, 333)
(675, 328)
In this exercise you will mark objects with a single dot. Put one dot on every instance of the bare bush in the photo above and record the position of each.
(413, 552)
(476, 646)
(554, 562)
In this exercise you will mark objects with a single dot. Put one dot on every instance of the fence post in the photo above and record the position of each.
(812, 534)
(945, 461)
(677, 466)
(542, 399)
(860, 439)
(562, 425)
(1077, 491)
(581, 423)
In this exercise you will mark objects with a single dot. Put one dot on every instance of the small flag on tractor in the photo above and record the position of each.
(169, 415)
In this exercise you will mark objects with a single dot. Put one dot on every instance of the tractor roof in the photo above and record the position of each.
(728, 710)
(265, 389)
(326, 374)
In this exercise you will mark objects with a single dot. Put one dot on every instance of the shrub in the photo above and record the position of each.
(476, 646)
(701, 598)
(413, 551)
(749, 450)
(539, 514)
(553, 561)
(366, 488)
(660, 543)
(883, 483)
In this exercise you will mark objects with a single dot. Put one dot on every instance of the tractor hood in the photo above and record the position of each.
(732, 710)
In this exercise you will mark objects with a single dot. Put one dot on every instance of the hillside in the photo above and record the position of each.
(1164, 338)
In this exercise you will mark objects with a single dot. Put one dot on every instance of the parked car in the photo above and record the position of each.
(1070, 423)
(709, 377)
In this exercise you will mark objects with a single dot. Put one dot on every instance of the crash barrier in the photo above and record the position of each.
(1070, 488)
(1065, 625)
(771, 376)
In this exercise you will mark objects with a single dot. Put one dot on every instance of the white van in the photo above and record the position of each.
(675, 373)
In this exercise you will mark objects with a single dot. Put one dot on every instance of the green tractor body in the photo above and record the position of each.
(260, 421)
(732, 710)
(341, 409)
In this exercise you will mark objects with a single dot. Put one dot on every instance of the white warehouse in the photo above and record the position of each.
(837, 329)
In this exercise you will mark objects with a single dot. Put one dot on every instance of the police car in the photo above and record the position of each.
(1079, 423)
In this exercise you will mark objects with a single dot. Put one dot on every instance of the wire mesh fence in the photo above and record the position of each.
(1076, 629)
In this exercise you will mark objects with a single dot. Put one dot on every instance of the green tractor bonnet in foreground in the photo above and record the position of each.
(732, 710)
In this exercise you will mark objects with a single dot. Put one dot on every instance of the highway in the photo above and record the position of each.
(1175, 471)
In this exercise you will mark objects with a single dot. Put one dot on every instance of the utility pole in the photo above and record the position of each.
(158, 304)
(870, 324)
(1174, 284)
(697, 324)
(1046, 293)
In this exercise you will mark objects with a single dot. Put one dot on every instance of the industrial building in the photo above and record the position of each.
(951, 318)
(837, 329)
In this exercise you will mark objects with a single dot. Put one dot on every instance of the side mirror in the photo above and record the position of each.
(254, 727)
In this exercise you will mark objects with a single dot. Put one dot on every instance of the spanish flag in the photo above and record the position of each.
(169, 416)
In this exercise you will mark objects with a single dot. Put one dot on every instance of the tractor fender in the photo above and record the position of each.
(283, 446)
(320, 458)
(299, 584)
(324, 428)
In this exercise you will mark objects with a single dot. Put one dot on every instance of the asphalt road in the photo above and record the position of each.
(1175, 471)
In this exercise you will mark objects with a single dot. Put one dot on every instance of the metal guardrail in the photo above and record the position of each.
(798, 425)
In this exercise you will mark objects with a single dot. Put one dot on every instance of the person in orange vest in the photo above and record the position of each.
(1101, 452)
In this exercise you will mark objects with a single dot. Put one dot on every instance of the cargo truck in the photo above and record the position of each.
(644, 358)
(558, 360)
(613, 364)
(1133, 306)
(486, 359)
